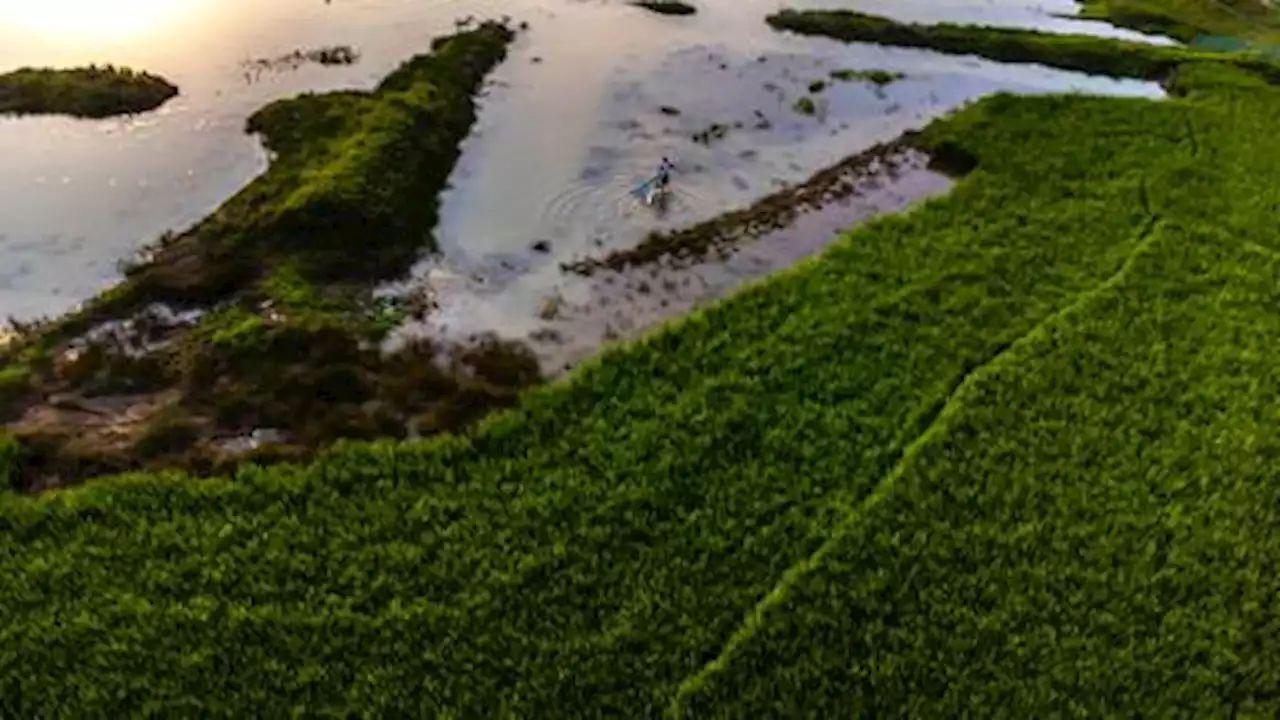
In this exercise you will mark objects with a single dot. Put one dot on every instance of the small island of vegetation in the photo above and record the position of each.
(666, 7)
(88, 92)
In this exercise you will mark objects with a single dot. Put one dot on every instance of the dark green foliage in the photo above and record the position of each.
(11, 457)
(15, 381)
(91, 92)
(1100, 56)
(666, 7)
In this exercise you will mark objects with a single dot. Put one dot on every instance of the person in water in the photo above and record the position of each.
(660, 181)
(664, 174)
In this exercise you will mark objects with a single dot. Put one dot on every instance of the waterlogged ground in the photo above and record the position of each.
(589, 101)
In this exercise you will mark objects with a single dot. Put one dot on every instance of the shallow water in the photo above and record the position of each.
(571, 123)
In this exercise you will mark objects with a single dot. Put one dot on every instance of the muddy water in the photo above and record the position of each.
(570, 125)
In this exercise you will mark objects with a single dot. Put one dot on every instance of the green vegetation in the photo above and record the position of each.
(1011, 452)
(1099, 56)
(875, 77)
(288, 334)
(804, 105)
(817, 86)
(1254, 20)
(90, 92)
(666, 7)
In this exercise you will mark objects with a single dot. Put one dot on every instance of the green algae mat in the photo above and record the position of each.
(1011, 453)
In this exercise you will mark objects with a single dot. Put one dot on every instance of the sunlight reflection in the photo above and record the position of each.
(103, 19)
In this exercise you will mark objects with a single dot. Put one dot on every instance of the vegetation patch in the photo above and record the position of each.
(804, 105)
(1253, 20)
(1095, 55)
(766, 215)
(283, 333)
(711, 134)
(334, 55)
(879, 78)
(666, 7)
(88, 92)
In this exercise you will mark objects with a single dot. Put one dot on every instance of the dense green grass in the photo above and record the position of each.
(1010, 452)
(1253, 20)
(91, 92)
(1096, 55)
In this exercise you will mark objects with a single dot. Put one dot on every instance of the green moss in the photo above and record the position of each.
(666, 7)
(817, 86)
(92, 92)
(875, 77)
(804, 105)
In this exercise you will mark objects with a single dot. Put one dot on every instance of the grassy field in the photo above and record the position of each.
(1009, 453)
(90, 92)
(1252, 20)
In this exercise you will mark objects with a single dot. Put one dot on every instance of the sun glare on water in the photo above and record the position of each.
(88, 18)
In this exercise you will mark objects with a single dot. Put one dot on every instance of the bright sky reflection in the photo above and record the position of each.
(97, 19)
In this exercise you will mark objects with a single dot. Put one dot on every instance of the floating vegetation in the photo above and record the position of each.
(90, 92)
(804, 105)
(879, 78)
(666, 7)
(336, 55)
(711, 134)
